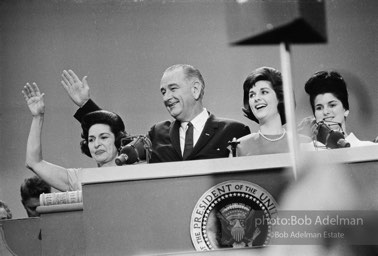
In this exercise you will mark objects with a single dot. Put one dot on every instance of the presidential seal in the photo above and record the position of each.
(229, 215)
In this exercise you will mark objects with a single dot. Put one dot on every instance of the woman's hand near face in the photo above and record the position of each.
(34, 99)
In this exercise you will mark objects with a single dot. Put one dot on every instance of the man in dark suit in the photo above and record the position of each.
(194, 134)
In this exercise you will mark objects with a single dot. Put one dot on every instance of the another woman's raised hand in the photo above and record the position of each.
(34, 99)
(76, 89)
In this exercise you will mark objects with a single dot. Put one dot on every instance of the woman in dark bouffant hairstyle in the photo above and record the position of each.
(329, 102)
(263, 101)
(102, 135)
(111, 119)
(271, 75)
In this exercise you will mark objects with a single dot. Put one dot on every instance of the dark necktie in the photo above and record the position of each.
(188, 141)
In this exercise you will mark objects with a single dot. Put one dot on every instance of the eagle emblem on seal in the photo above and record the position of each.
(238, 229)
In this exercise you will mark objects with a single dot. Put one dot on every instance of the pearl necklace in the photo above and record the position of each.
(277, 139)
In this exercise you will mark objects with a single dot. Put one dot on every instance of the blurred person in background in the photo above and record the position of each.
(5, 212)
(30, 190)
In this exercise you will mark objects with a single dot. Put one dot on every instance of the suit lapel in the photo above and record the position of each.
(174, 134)
(208, 132)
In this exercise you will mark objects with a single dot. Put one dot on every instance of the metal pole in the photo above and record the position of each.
(289, 104)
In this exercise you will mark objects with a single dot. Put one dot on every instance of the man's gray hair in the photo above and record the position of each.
(190, 72)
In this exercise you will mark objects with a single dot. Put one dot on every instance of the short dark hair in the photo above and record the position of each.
(6, 208)
(327, 82)
(114, 121)
(264, 74)
(32, 187)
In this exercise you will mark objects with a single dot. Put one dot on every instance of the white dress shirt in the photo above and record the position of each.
(198, 125)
